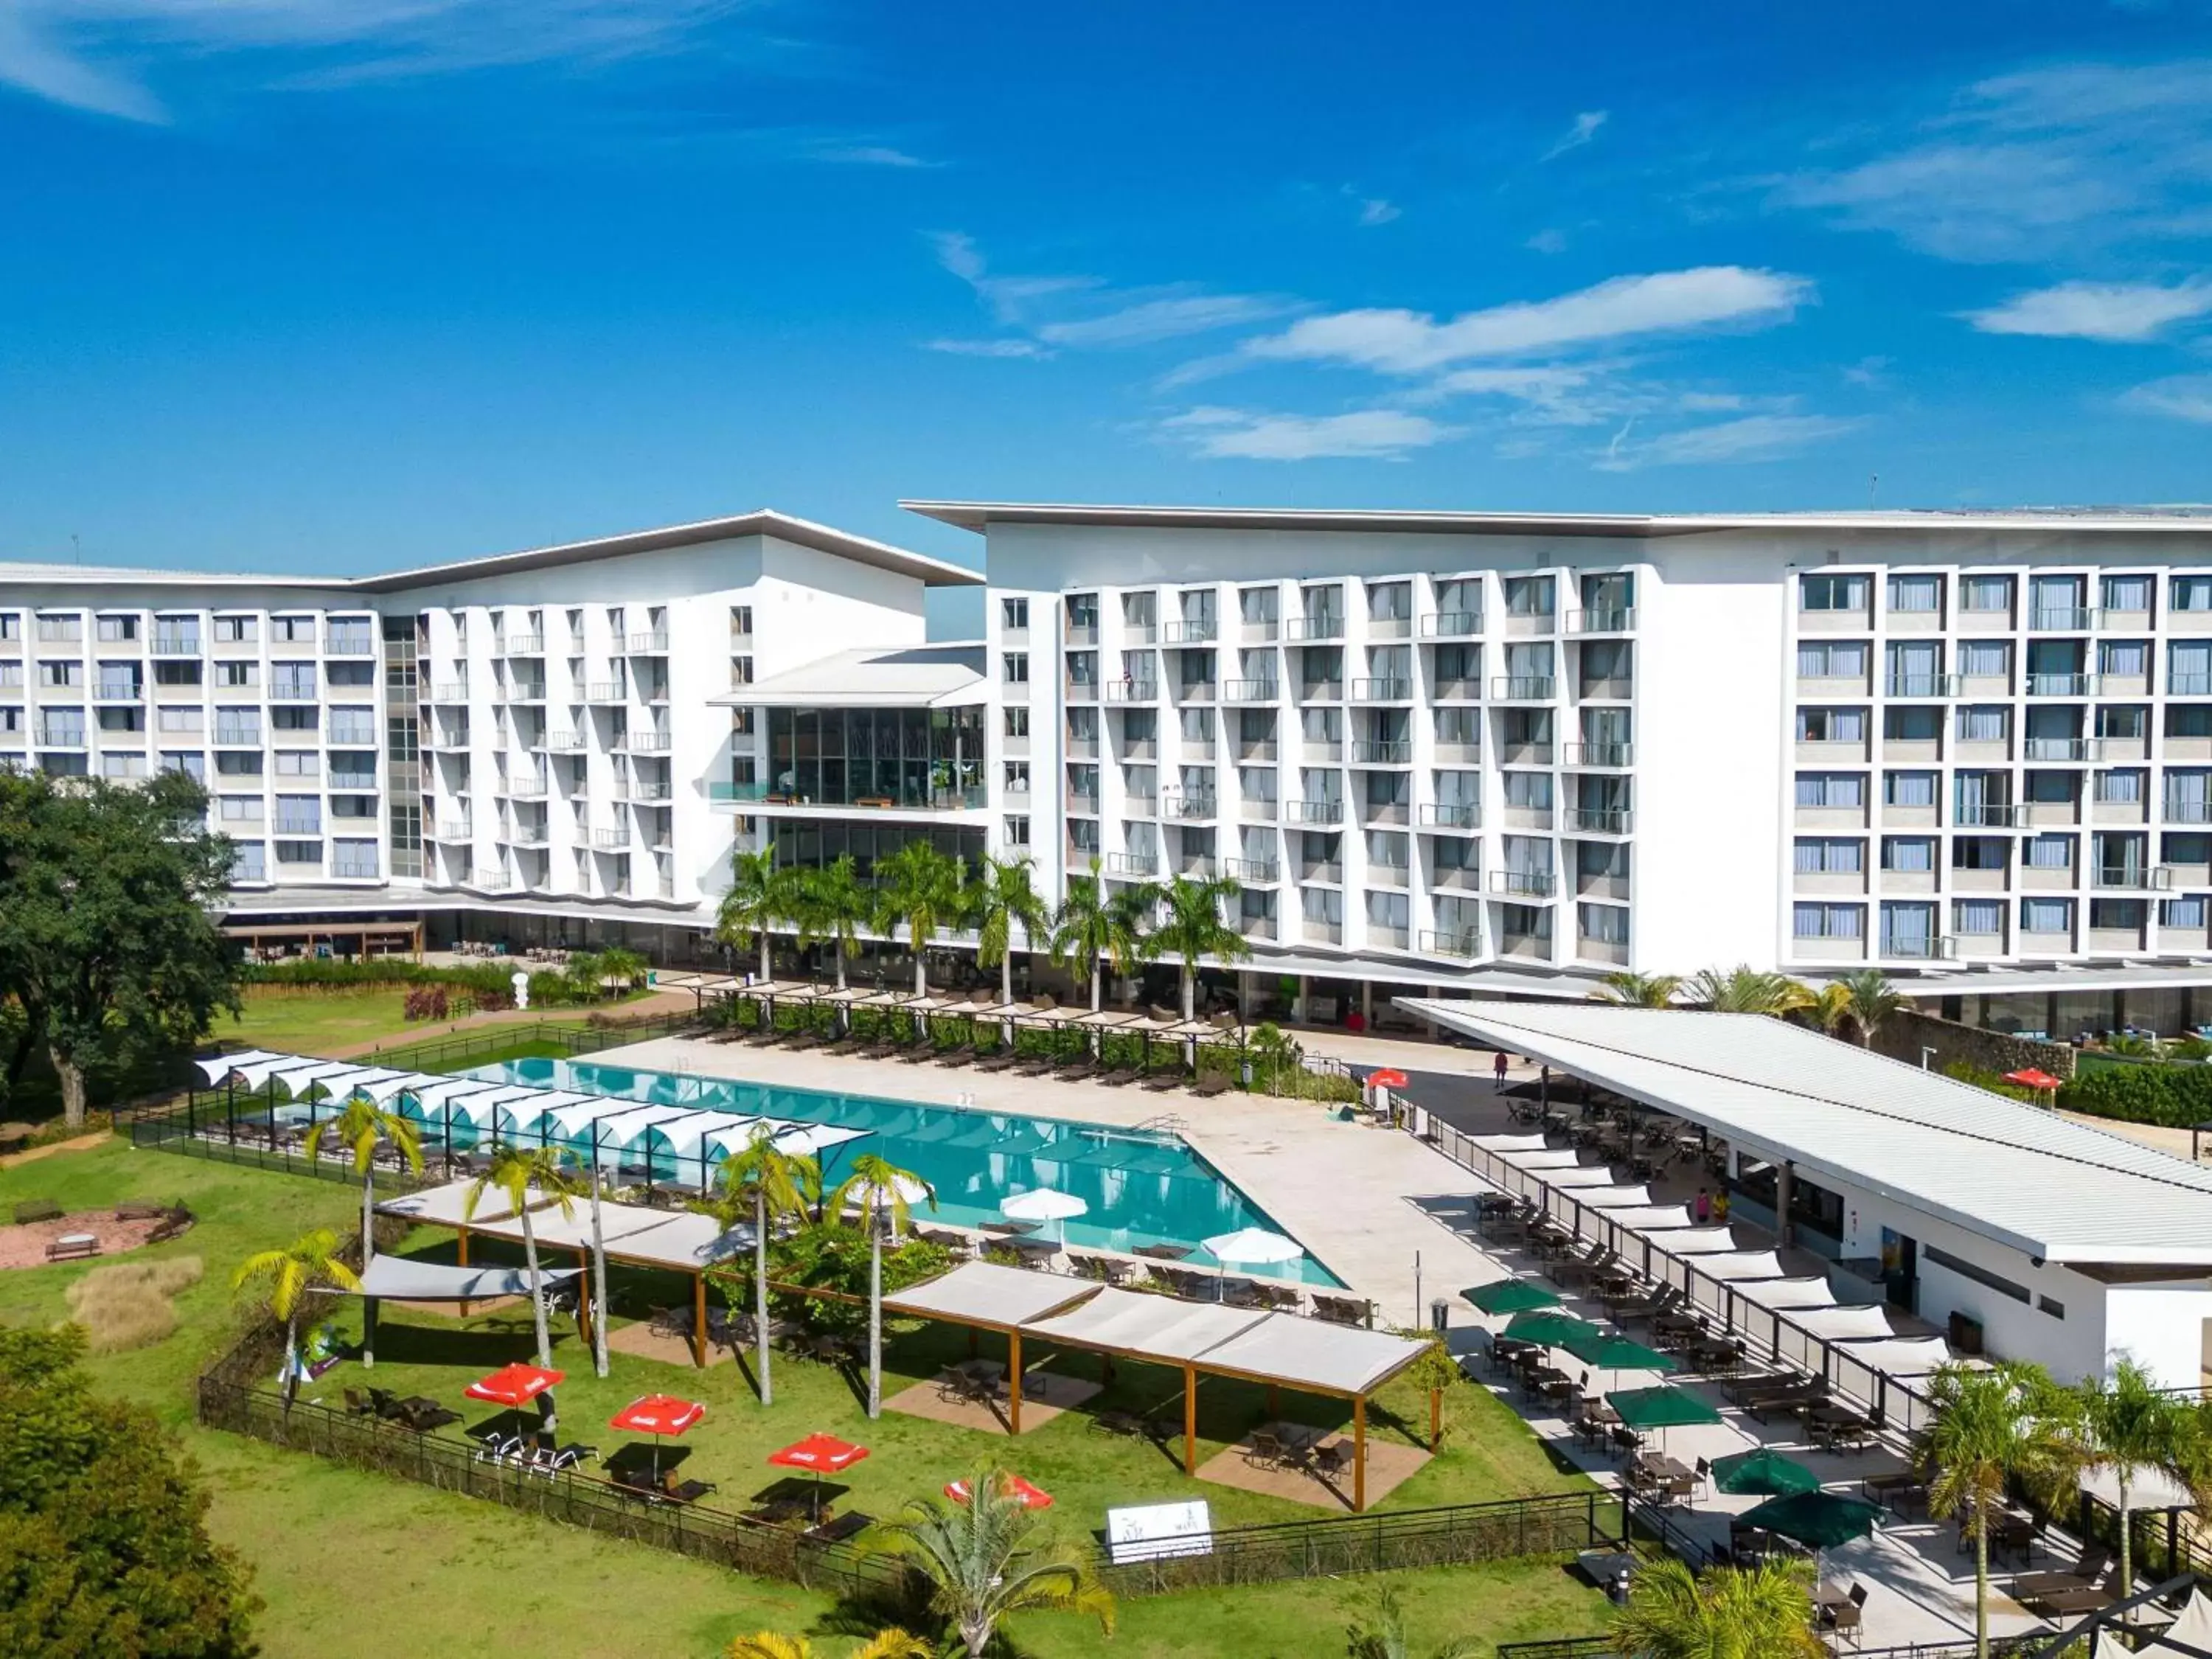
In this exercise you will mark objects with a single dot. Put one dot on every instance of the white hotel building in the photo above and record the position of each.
(1489, 752)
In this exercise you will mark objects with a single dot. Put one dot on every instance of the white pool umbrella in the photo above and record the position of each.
(1254, 1247)
(1043, 1204)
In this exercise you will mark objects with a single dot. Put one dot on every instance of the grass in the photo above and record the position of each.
(313, 1021)
(426, 1562)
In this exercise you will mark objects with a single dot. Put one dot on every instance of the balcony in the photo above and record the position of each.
(1081, 691)
(610, 841)
(1386, 689)
(1523, 688)
(642, 743)
(2189, 685)
(1259, 809)
(1451, 815)
(1201, 631)
(1911, 947)
(344, 645)
(1194, 691)
(450, 691)
(1083, 748)
(522, 789)
(1600, 757)
(115, 691)
(564, 742)
(1086, 804)
(448, 742)
(61, 737)
(1524, 883)
(527, 693)
(1250, 690)
(1139, 806)
(1132, 691)
(1313, 812)
(1370, 752)
(522, 645)
(2065, 749)
(606, 691)
(1329, 872)
(526, 834)
(1304, 630)
(1590, 948)
(488, 880)
(1133, 864)
(2135, 878)
(1393, 876)
(452, 830)
(644, 790)
(1465, 943)
(1456, 687)
(1258, 748)
(1618, 619)
(176, 645)
(1921, 685)
(945, 799)
(1320, 691)
(1386, 811)
(289, 691)
(2061, 619)
(1316, 931)
(1600, 820)
(1258, 872)
(1524, 754)
(652, 644)
(1451, 624)
(2186, 812)
(1177, 804)
(238, 737)
(1989, 817)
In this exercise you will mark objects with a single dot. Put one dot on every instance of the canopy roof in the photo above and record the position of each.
(680, 1239)
(1844, 1323)
(987, 1294)
(1812, 1292)
(2000, 1168)
(408, 1280)
(1900, 1356)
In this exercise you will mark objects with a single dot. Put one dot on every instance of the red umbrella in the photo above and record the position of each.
(1388, 1077)
(2028, 1078)
(823, 1454)
(1028, 1496)
(514, 1385)
(657, 1414)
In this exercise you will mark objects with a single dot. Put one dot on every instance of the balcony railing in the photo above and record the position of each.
(522, 788)
(2136, 877)
(945, 799)
(1323, 626)
(1600, 820)
(292, 691)
(1133, 864)
(1396, 753)
(1617, 619)
(1387, 688)
(1466, 943)
(1451, 815)
(1321, 690)
(2062, 685)
(1921, 685)
(650, 644)
(176, 645)
(611, 840)
(646, 789)
(1523, 688)
(1254, 870)
(2189, 685)
(523, 645)
(1989, 817)
(1524, 883)
(643, 742)
(348, 645)
(1250, 690)
(1132, 690)
(119, 692)
(564, 742)
(1911, 947)
(1194, 691)
(2187, 811)
(2061, 619)
(1451, 624)
(1313, 812)
(238, 737)
(606, 691)
(450, 691)
(1601, 757)
(452, 830)
(1201, 631)
(1177, 805)
(61, 737)
(2065, 749)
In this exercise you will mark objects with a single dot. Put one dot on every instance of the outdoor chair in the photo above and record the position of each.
(1331, 1459)
(1847, 1618)
(1265, 1450)
(960, 1054)
(1004, 1059)
(1207, 1088)
(1624, 1441)
(1127, 1424)
(851, 1524)
(1120, 1078)
(1161, 1081)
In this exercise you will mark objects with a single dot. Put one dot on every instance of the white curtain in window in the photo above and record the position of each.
(2187, 793)
(1909, 853)
(1982, 723)
(1911, 788)
(1985, 658)
(2046, 915)
(2189, 667)
(2185, 912)
(2122, 786)
(1988, 592)
(2127, 593)
(2128, 658)
(2192, 593)
(1979, 916)
(1915, 592)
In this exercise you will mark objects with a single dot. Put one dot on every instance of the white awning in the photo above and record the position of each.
(1589, 1175)
(685, 1136)
(986, 1293)
(432, 1097)
(409, 1280)
(1843, 1323)
(1547, 1158)
(1792, 1293)
(1741, 1264)
(1312, 1353)
(223, 1065)
(1665, 1218)
(1614, 1198)
(1900, 1356)
(400, 1082)
(1155, 1327)
(1511, 1143)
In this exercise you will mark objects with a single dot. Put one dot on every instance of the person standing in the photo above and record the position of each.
(1703, 1208)
(1497, 1069)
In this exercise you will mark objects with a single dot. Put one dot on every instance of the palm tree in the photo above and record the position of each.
(1870, 1000)
(1991, 1426)
(761, 894)
(2125, 1426)
(627, 966)
(884, 1190)
(1831, 1006)
(1191, 927)
(1746, 990)
(892, 1643)
(1639, 990)
(1097, 928)
(1724, 1613)
(1005, 894)
(513, 1172)
(833, 903)
(362, 1126)
(594, 1177)
(764, 1180)
(1385, 1637)
(921, 890)
(282, 1280)
(987, 1558)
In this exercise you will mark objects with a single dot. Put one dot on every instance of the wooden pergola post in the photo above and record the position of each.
(1014, 1382)
(699, 1320)
(461, 1245)
(1190, 1421)
(584, 1296)
(1360, 1454)
(1436, 1420)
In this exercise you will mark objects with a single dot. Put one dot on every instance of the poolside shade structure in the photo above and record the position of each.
(1547, 1328)
(1028, 1496)
(2029, 1078)
(1661, 1408)
(1044, 1204)
(404, 1279)
(657, 1414)
(1608, 1352)
(818, 1454)
(1252, 1247)
(1511, 1295)
(1818, 1520)
(514, 1385)
(1765, 1471)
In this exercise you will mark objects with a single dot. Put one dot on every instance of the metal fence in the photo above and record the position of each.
(1767, 1331)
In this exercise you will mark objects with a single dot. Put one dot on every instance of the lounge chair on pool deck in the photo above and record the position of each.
(1123, 1078)
(923, 1048)
(1167, 1078)
(1077, 1071)
(960, 1054)
(1001, 1060)
(1206, 1087)
(1343, 1309)
(1038, 1065)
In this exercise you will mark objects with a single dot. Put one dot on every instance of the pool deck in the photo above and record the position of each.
(1341, 1190)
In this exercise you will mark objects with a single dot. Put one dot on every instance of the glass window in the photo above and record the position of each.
(1831, 659)
(1017, 667)
(1910, 854)
(1829, 920)
(2129, 659)
(1607, 923)
(1829, 855)
(1986, 593)
(1909, 788)
(1912, 723)
(1012, 614)
(2187, 911)
(1985, 659)
(2122, 786)
(2046, 915)
(249, 861)
(1016, 722)
(1977, 915)
(1922, 594)
(2192, 594)
(2188, 848)
(1832, 726)
(1843, 789)
(2050, 852)
(1827, 592)
(2189, 668)
(1984, 723)
(2127, 593)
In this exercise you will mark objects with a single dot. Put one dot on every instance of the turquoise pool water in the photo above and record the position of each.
(1142, 1188)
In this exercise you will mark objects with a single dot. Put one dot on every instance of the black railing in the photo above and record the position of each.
(1556, 1647)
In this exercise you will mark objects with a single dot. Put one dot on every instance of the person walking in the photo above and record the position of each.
(1703, 1208)
(1497, 1069)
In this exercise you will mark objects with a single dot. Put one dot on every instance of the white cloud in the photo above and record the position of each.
(1413, 343)
(873, 155)
(1375, 210)
(93, 55)
(2096, 311)
(1868, 374)
(2183, 397)
(2025, 165)
(1148, 320)
(988, 348)
(1584, 129)
(1754, 437)
(1364, 434)
(1548, 241)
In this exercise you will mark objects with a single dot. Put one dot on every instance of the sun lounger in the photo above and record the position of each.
(1078, 1072)
(1004, 1059)
(850, 1525)
(1207, 1087)
(37, 1209)
(1122, 1078)
(1158, 1082)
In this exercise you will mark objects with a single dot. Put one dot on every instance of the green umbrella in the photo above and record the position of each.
(1511, 1296)
(1819, 1520)
(1765, 1470)
(1661, 1408)
(1610, 1352)
(1547, 1329)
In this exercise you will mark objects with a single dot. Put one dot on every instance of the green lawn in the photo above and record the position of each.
(313, 1021)
(327, 1541)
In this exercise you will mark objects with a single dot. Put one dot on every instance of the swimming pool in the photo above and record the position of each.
(1143, 1187)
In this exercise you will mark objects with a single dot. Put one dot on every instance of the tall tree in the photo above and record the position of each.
(1094, 929)
(989, 1558)
(1991, 1426)
(2126, 1427)
(761, 1184)
(519, 1174)
(108, 900)
(1638, 990)
(282, 1280)
(1746, 990)
(361, 1129)
(762, 895)
(1190, 927)
(1006, 897)
(1724, 1613)
(921, 890)
(103, 1527)
(834, 905)
(1869, 999)
(883, 1192)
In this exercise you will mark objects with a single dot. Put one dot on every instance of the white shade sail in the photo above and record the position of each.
(1792, 1293)
(399, 1082)
(1659, 1217)
(1613, 1197)
(1511, 1143)
(223, 1065)
(1741, 1264)
(1900, 1356)
(1843, 1323)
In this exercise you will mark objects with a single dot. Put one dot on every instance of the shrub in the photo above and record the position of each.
(128, 1305)
(1964, 1071)
(426, 1002)
(2176, 1095)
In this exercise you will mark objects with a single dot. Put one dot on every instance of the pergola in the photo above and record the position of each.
(1208, 1339)
(405, 935)
(1044, 1013)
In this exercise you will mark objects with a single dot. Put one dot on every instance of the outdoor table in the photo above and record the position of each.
(77, 1241)
(1897, 1489)
(1662, 1466)
(1302, 1436)
(983, 1370)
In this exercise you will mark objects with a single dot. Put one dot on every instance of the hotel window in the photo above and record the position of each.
(354, 860)
(2130, 592)
(2186, 847)
(2191, 593)
(237, 763)
(238, 809)
(1832, 726)
(178, 673)
(11, 624)
(1829, 855)
(2046, 915)
(11, 675)
(1908, 789)
(1986, 659)
(2123, 658)
(292, 680)
(296, 720)
(350, 636)
(1529, 596)
(1014, 615)
(346, 673)
(1831, 659)
(1017, 667)
(299, 763)
(2188, 911)
(1909, 855)
(1984, 723)
(292, 631)
(1986, 593)
(741, 622)
(1017, 777)
(1916, 594)
(249, 861)
(2049, 853)
(1814, 789)
(1829, 920)
(115, 629)
(299, 815)
(1016, 722)
(62, 629)
(1017, 829)
(237, 630)
(2121, 787)
(353, 728)
(299, 851)
(123, 766)
(1606, 924)
(181, 720)
(61, 673)
(239, 674)
(2123, 720)
(1912, 723)
(1831, 592)
(1977, 915)
(192, 765)
(2189, 669)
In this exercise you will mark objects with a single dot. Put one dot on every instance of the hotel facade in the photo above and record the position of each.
(1479, 752)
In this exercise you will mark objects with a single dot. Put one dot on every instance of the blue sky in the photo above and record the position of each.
(345, 284)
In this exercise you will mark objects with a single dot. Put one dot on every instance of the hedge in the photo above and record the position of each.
(2178, 1096)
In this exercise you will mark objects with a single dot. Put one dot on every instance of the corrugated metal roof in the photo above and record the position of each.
(2000, 1168)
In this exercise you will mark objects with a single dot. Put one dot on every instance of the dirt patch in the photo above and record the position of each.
(81, 1144)
(25, 1245)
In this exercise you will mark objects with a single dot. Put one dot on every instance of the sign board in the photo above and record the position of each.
(1156, 1530)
